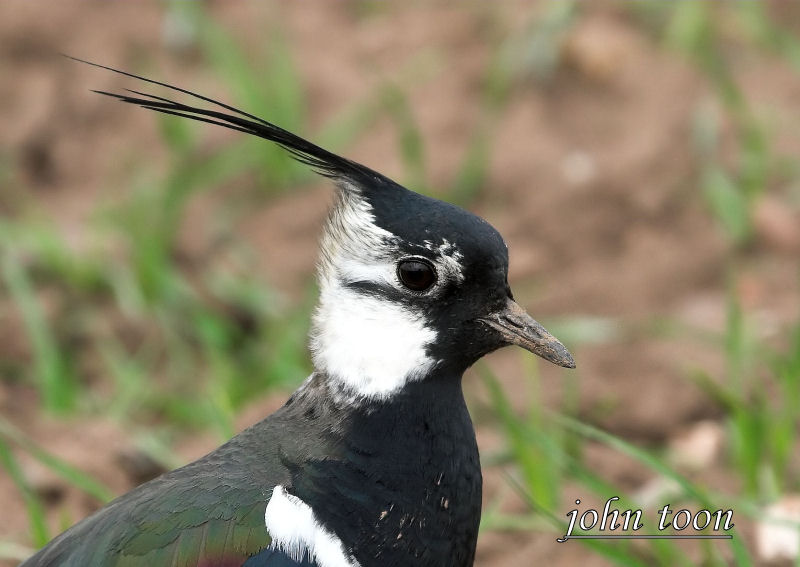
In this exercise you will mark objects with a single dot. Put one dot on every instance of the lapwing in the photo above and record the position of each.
(373, 460)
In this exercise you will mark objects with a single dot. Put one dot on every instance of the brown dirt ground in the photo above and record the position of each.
(627, 237)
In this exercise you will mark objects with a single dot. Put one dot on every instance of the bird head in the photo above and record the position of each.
(411, 287)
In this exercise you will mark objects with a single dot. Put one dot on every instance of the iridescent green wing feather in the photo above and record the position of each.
(198, 516)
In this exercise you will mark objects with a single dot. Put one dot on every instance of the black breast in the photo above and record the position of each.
(398, 482)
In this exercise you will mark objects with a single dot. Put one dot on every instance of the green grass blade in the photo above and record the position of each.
(737, 547)
(36, 514)
(75, 477)
(51, 368)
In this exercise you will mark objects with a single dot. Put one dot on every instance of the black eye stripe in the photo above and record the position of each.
(417, 274)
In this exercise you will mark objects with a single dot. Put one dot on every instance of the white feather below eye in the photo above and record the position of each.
(294, 530)
(371, 345)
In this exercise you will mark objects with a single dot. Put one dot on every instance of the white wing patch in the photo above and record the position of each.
(294, 530)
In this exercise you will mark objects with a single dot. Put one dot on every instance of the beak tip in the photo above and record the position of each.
(516, 327)
(563, 358)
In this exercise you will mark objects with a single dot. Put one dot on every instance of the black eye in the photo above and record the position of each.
(416, 274)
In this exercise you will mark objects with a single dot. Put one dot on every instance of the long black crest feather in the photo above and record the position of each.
(324, 162)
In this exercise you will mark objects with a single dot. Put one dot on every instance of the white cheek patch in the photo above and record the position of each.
(371, 345)
(294, 530)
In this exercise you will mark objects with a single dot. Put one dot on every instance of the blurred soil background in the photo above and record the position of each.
(640, 158)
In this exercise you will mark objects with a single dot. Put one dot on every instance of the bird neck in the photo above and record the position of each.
(435, 398)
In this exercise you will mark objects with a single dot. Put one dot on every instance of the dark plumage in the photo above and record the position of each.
(211, 511)
(373, 461)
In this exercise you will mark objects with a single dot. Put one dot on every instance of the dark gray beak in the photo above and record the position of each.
(519, 328)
